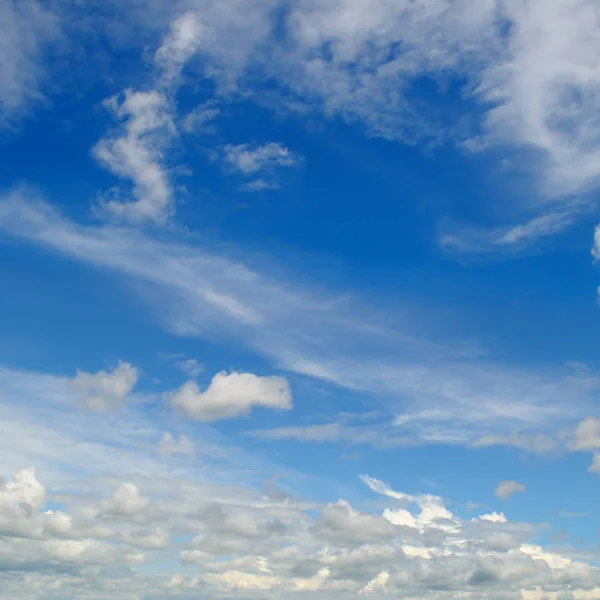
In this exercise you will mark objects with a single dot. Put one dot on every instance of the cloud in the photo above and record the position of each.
(249, 160)
(137, 154)
(200, 119)
(366, 66)
(587, 435)
(105, 390)
(436, 393)
(29, 27)
(232, 395)
(379, 487)
(168, 445)
(246, 542)
(180, 44)
(127, 502)
(138, 151)
(252, 160)
(510, 240)
(505, 489)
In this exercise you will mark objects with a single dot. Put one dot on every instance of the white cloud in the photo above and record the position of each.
(379, 487)
(200, 119)
(509, 240)
(249, 159)
(137, 154)
(505, 489)
(126, 502)
(168, 445)
(179, 46)
(587, 435)
(231, 395)
(105, 390)
(191, 367)
(261, 162)
(27, 27)
(595, 466)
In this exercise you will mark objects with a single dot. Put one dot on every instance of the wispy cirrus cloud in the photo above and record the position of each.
(28, 27)
(434, 395)
(259, 164)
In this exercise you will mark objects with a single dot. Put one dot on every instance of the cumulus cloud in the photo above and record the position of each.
(505, 489)
(105, 390)
(247, 543)
(587, 435)
(232, 395)
(126, 502)
(168, 445)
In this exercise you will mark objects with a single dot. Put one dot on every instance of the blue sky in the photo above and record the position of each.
(299, 298)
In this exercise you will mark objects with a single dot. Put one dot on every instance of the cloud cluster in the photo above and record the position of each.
(235, 541)
(105, 390)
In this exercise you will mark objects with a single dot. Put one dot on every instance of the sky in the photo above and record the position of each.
(299, 299)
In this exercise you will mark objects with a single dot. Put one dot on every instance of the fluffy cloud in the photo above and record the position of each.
(505, 489)
(127, 503)
(231, 395)
(587, 435)
(168, 445)
(105, 390)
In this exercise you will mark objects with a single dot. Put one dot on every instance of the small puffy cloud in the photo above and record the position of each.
(595, 466)
(505, 489)
(232, 395)
(127, 502)
(587, 435)
(492, 518)
(24, 489)
(168, 445)
(105, 390)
